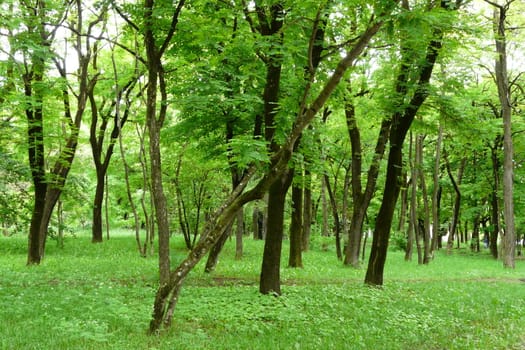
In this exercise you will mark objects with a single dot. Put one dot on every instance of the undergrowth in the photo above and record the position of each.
(99, 296)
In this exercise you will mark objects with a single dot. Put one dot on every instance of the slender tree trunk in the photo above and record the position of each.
(474, 244)
(412, 234)
(97, 208)
(404, 202)
(494, 198)
(504, 94)
(128, 187)
(361, 199)
(457, 202)
(307, 211)
(295, 257)
(155, 75)
(213, 256)
(376, 262)
(427, 255)
(335, 214)
(35, 134)
(435, 193)
(401, 122)
(325, 232)
(239, 233)
(34, 92)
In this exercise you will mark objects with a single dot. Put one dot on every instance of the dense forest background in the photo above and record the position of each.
(359, 124)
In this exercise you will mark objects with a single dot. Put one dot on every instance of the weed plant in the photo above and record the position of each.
(99, 296)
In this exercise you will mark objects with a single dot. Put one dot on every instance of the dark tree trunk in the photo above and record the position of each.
(307, 212)
(97, 135)
(213, 256)
(504, 93)
(270, 280)
(97, 208)
(361, 199)
(494, 198)
(457, 201)
(376, 263)
(295, 257)
(436, 194)
(335, 214)
(325, 232)
(34, 91)
(412, 234)
(474, 244)
(35, 134)
(401, 122)
(239, 233)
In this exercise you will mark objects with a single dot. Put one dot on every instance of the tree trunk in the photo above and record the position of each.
(335, 214)
(494, 198)
(96, 230)
(295, 257)
(412, 234)
(435, 193)
(325, 232)
(155, 75)
(474, 244)
(427, 255)
(361, 200)
(213, 256)
(239, 233)
(376, 262)
(270, 280)
(457, 201)
(35, 133)
(401, 121)
(307, 212)
(34, 91)
(97, 135)
(505, 98)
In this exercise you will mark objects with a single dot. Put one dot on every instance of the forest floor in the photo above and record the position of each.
(99, 296)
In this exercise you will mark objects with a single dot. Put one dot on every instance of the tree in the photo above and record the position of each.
(401, 121)
(157, 35)
(168, 294)
(35, 42)
(505, 98)
(101, 117)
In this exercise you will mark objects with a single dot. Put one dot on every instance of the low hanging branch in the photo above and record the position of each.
(168, 293)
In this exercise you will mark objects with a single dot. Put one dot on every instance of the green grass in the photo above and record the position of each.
(87, 296)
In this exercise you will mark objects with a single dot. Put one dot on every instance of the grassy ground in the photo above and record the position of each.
(87, 296)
